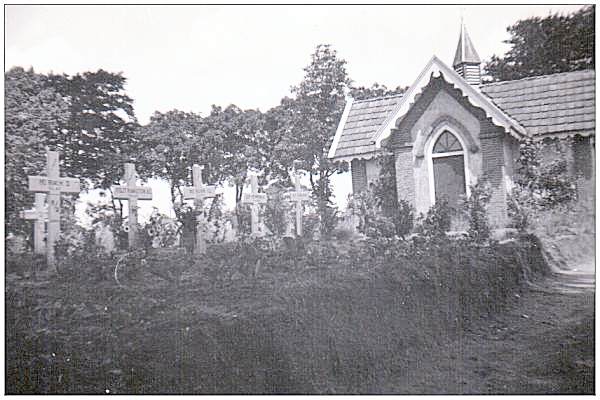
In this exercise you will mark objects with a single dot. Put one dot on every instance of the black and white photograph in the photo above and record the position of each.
(278, 199)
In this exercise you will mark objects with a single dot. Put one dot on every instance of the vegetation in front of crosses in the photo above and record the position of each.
(111, 327)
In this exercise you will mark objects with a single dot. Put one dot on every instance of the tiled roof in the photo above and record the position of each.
(544, 105)
(550, 104)
(364, 119)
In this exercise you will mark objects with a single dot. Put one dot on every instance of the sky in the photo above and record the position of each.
(191, 57)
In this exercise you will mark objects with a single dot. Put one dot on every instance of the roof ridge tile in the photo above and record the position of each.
(539, 77)
(392, 96)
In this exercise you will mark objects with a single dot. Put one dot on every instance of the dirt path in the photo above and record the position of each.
(544, 344)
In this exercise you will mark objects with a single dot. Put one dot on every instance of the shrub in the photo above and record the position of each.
(186, 215)
(365, 206)
(216, 220)
(25, 264)
(378, 221)
(106, 215)
(541, 183)
(437, 221)
(328, 217)
(403, 218)
(518, 211)
(242, 211)
(159, 231)
(475, 208)
(277, 210)
(310, 225)
(78, 257)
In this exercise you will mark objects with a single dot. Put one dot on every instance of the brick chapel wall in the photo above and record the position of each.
(440, 105)
(491, 153)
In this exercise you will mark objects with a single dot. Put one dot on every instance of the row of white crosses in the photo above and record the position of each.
(54, 185)
(255, 199)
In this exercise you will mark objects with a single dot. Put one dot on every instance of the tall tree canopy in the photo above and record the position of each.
(313, 116)
(100, 132)
(245, 142)
(33, 113)
(541, 46)
(172, 143)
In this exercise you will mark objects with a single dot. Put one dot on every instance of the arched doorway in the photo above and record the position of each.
(448, 169)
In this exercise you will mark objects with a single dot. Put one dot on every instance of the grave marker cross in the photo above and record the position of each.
(254, 199)
(198, 192)
(298, 196)
(132, 194)
(54, 185)
(39, 216)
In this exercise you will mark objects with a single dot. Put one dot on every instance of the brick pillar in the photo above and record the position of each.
(493, 171)
(405, 180)
(358, 169)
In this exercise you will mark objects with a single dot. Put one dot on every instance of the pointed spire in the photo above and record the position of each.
(466, 60)
(465, 51)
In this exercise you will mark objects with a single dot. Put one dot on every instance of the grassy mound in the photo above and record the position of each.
(568, 236)
(340, 326)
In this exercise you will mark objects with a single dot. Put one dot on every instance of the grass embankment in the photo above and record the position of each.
(568, 236)
(344, 324)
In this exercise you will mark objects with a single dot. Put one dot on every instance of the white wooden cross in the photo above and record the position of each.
(254, 199)
(198, 192)
(54, 185)
(298, 196)
(132, 194)
(39, 215)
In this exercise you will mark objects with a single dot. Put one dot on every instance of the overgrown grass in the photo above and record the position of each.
(341, 319)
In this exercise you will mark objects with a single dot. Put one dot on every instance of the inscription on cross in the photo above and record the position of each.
(132, 194)
(39, 215)
(54, 185)
(254, 199)
(198, 192)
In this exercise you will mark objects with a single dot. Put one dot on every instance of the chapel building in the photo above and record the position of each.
(448, 130)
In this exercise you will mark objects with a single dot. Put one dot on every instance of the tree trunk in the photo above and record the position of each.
(239, 190)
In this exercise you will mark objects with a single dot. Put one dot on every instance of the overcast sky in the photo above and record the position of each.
(190, 57)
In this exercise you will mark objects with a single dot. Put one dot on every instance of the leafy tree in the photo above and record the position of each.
(172, 143)
(244, 141)
(99, 136)
(541, 46)
(251, 141)
(376, 90)
(313, 116)
(33, 112)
